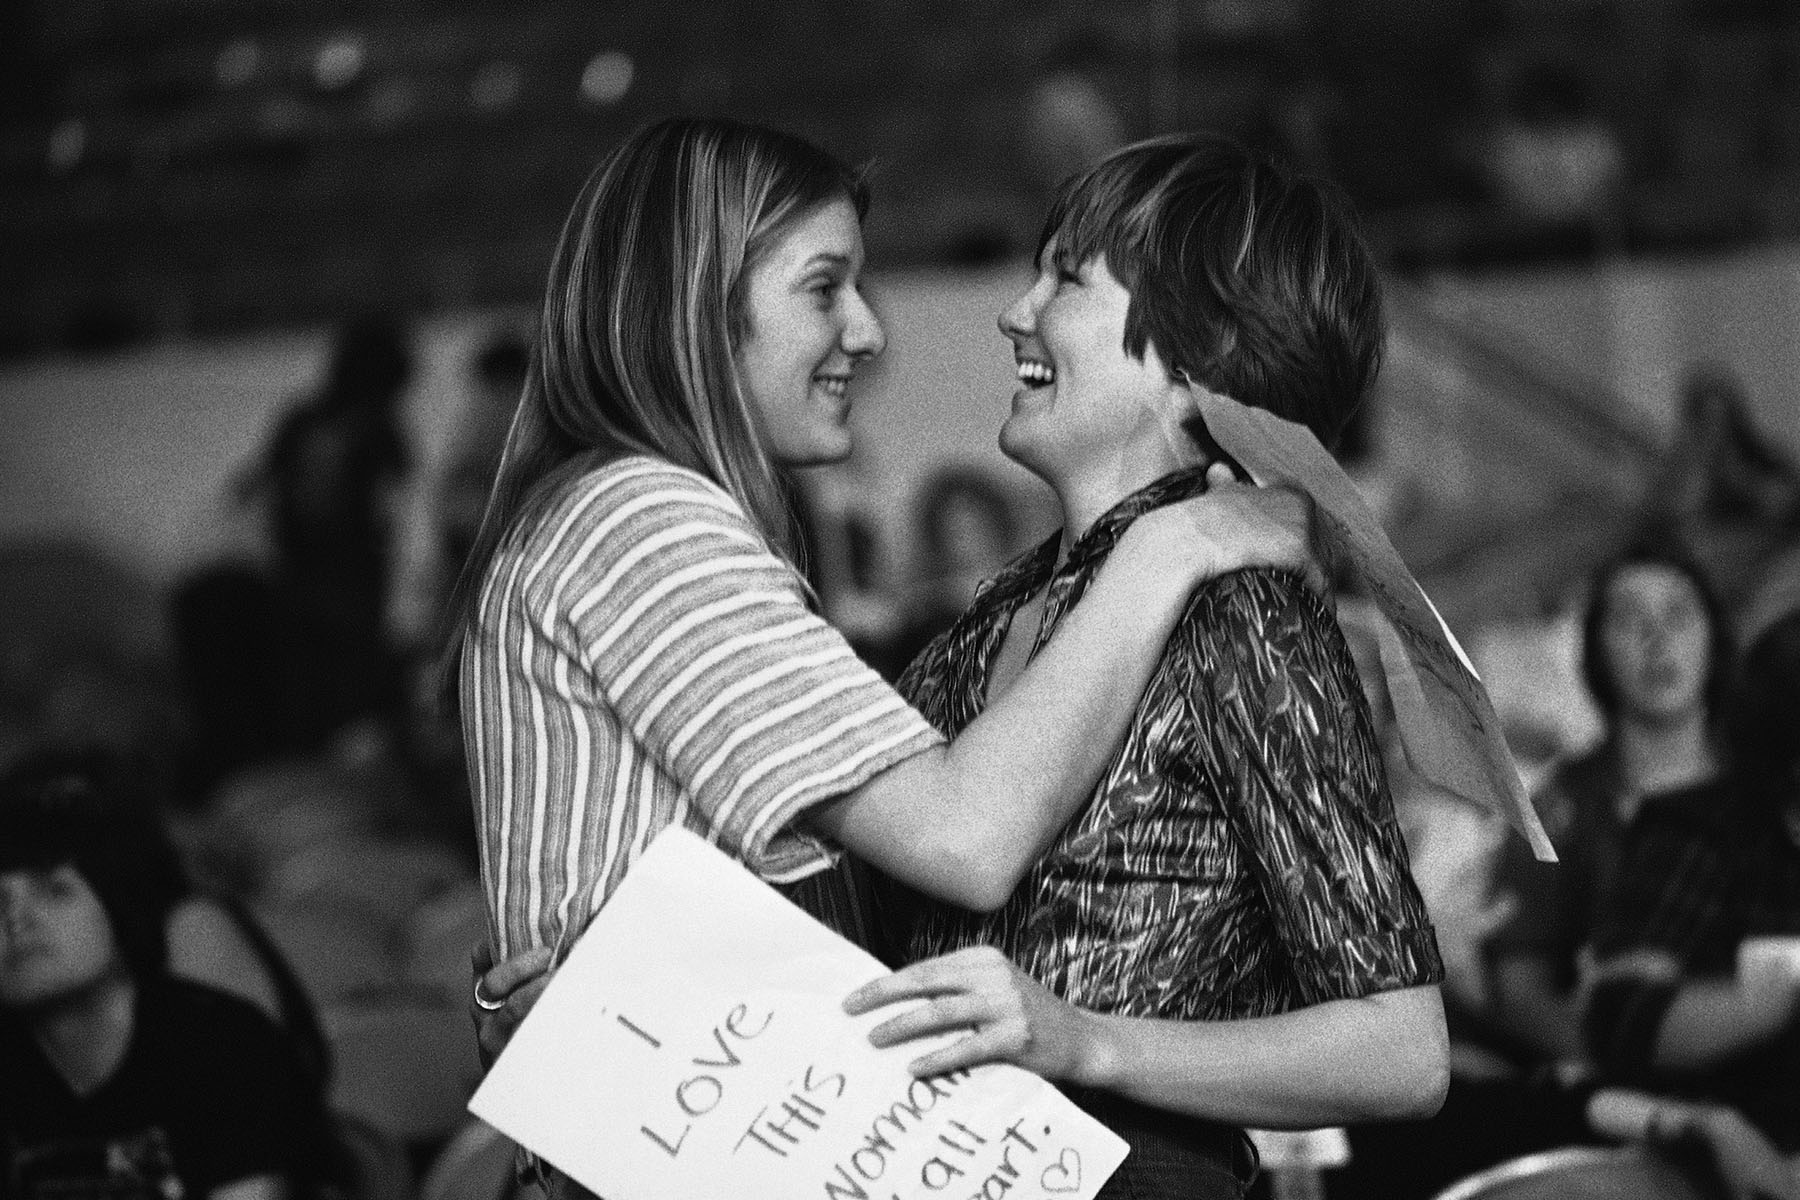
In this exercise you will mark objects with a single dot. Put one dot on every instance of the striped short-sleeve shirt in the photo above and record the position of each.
(641, 658)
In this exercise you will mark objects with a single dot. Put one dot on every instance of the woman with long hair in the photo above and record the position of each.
(634, 643)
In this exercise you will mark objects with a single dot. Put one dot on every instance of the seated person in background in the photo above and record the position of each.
(1494, 1111)
(1705, 869)
(1654, 656)
(119, 1080)
(211, 937)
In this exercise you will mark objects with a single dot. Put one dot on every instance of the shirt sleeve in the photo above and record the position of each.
(700, 639)
(1667, 910)
(1306, 791)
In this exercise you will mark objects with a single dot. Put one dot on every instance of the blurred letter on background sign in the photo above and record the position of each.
(695, 1045)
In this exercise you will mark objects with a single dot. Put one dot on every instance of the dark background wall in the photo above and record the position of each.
(172, 168)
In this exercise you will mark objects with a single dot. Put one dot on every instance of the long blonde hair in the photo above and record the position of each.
(643, 313)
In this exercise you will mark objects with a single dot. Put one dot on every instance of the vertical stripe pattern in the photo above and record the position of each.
(642, 659)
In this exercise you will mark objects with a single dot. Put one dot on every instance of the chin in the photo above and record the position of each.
(834, 450)
(1018, 446)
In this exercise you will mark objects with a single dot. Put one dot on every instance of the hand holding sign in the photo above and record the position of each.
(1013, 1017)
(695, 1044)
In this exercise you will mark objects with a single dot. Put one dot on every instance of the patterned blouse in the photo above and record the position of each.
(1240, 856)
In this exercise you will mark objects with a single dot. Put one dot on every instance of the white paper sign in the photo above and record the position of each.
(1446, 721)
(694, 1046)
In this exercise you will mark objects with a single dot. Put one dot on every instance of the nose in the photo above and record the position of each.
(864, 336)
(1018, 320)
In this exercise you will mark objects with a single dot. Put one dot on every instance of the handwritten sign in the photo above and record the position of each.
(1447, 724)
(694, 1045)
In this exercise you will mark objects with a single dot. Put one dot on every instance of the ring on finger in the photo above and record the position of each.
(483, 1003)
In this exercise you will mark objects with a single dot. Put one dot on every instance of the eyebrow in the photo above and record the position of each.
(826, 258)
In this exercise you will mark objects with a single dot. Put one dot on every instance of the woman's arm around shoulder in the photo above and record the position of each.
(964, 821)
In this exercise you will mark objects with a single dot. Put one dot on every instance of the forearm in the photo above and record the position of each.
(1382, 1057)
(964, 821)
(1711, 1020)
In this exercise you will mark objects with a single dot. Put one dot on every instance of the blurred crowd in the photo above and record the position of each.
(243, 805)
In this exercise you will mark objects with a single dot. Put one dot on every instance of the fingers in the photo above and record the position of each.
(972, 969)
(959, 1011)
(1002, 1042)
(495, 1028)
(500, 981)
(978, 990)
(514, 986)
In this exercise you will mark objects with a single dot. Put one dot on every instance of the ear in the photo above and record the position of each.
(1185, 424)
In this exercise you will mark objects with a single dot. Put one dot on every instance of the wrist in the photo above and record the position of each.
(1099, 1054)
(1154, 570)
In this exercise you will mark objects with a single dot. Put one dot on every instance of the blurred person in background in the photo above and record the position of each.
(1655, 657)
(1504, 1100)
(472, 459)
(1679, 998)
(703, 323)
(1724, 468)
(329, 483)
(209, 934)
(295, 655)
(1553, 162)
(122, 1080)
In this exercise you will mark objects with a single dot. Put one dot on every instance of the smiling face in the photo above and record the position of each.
(1658, 643)
(809, 330)
(55, 937)
(1090, 417)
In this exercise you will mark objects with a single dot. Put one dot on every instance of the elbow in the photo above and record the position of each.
(1410, 1089)
(1416, 1058)
(981, 889)
(1421, 1093)
(981, 878)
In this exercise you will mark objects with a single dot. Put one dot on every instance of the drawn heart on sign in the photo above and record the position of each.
(1063, 1175)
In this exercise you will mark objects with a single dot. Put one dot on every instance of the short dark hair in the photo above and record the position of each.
(73, 808)
(1247, 277)
(1596, 672)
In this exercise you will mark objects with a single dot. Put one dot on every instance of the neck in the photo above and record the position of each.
(85, 1035)
(1084, 502)
(1659, 756)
